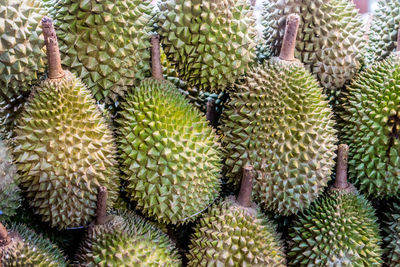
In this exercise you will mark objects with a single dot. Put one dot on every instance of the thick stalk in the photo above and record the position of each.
(53, 52)
(101, 212)
(4, 239)
(155, 57)
(289, 39)
(398, 39)
(211, 114)
(341, 167)
(246, 187)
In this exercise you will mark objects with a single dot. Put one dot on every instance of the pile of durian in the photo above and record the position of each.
(135, 133)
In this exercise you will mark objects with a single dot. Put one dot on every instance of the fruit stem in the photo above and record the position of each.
(156, 68)
(211, 113)
(341, 167)
(53, 52)
(398, 39)
(289, 39)
(101, 212)
(246, 187)
(4, 239)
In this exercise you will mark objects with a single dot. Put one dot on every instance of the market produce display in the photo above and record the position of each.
(199, 133)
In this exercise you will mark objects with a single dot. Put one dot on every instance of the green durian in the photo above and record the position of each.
(9, 191)
(105, 43)
(124, 239)
(279, 122)
(170, 157)
(209, 42)
(22, 247)
(383, 30)
(391, 229)
(64, 148)
(339, 229)
(21, 56)
(370, 123)
(330, 41)
(235, 232)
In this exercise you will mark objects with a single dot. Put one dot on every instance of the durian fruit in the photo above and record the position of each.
(330, 42)
(22, 247)
(124, 239)
(169, 155)
(105, 43)
(391, 229)
(209, 42)
(64, 148)
(236, 233)
(339, 229)
(279, 122)
(9, 191)
(383, 31)
(370, 125)
(21, 56)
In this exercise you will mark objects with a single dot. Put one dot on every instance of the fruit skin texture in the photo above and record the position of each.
(232, 235)
(210, 42)
(64, 152)
(9, 191)
(370, 124)
(330, 41)
(126, 240)
(391, 229)
(21, 56)
(170, 157)
(29, 249)
(279, 122)
(339, 229)
(106, 43)
(383, 31)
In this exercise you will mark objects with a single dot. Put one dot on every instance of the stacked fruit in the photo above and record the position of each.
(170, 135)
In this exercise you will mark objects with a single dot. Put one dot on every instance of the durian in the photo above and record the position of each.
(64, 148)
(209, 42)
(330, 40)
(236, 233)
(21, 56)
(169, 155)
(279, 122)
(9, 191)
(370, 125)
(105, 43)
(339, 229)
(391, 229)
(22, 247)
(124, 239)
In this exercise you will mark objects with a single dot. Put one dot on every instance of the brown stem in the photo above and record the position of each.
(398, 39)
(53, 52)
(211, 113)
(155, 57)
(289, 39)
(341, 167)
(4, 239)
(246, 187)
(101, 212)
(253, 2)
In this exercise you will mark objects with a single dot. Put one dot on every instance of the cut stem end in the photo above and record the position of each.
(289, 39)
(341, 167)
(101, 212)
(53, 52)
(156, 67)
(246, 187)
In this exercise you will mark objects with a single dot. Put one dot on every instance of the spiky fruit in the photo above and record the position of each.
(330, 40)
(105, 43)
(21, 56)
(169, 154)
(26, 248)
(383, 31)
(126, 240)
(210, 42)
(370, 127)
(263, 53)
(64, 148)
(9, 191)
(391, 228)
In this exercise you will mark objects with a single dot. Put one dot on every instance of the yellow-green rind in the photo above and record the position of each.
(169, 155)
(65, 151)
(279, 122)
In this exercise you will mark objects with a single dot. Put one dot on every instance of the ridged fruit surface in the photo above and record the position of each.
(29, 249)
(279, 122)
(21, 56)
(127, 240)
(170, 157)
(391, 229)
(9, 191)
(339, 229)
(209, 42)
(232, 235)
(330, 41)
(64, 152)
(106, 43)
(370, 126)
